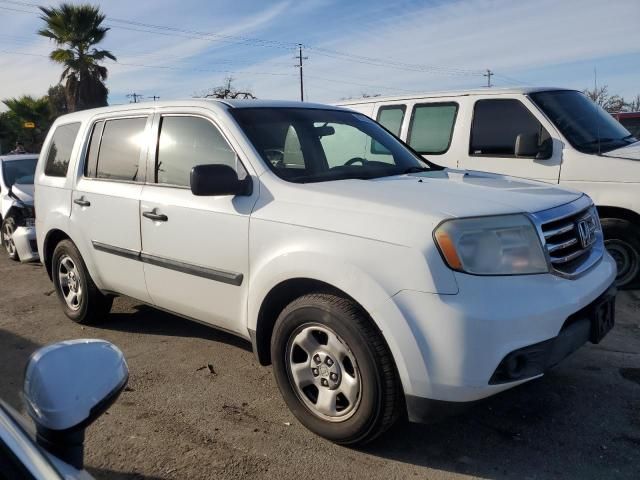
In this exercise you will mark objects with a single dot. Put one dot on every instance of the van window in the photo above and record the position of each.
(431, 127)
(496, 125)
(390, 117)
(186, 142)
(119, 151)
(60, 150)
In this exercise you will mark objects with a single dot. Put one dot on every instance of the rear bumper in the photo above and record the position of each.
(24, 239)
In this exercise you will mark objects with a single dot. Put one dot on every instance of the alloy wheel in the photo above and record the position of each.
(70, 282)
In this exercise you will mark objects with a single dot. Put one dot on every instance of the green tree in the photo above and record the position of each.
(76, 29)
(21, 110)
(57, 101)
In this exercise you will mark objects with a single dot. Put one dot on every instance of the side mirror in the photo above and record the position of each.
(67, 386)
(218, 180)
(528, 145)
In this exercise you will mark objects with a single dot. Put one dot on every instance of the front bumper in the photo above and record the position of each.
(24, 239)
(453, 344)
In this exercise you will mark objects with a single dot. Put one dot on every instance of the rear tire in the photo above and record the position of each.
(6, 233)
(334, 369)
(622, 239)
(81, 300)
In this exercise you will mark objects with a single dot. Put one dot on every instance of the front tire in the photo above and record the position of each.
(334, 369)
(622, 240)
(6, 232)
(81, 300)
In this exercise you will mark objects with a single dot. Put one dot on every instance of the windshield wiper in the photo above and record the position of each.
(599, 140)
(415, 169)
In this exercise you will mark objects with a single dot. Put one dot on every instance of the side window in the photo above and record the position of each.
(431, 127)
(92, 153)
(390, 117)
(119, 150)
(186, 142)
(496, 125)
(60, 150)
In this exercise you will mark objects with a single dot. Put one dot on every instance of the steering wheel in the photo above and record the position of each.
(353, 160)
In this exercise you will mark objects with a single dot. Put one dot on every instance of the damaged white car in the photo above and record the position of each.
(18, 233)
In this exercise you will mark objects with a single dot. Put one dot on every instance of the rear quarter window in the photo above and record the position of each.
(59, 153)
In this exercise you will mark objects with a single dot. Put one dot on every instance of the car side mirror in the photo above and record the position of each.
(67, 386)
(218, 180)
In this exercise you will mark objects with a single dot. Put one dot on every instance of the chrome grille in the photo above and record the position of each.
(572, 237)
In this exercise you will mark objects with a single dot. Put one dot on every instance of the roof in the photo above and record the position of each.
(193, 102)
(454, 93)
(20, 156)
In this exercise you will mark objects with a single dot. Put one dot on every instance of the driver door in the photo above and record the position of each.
(496, 124)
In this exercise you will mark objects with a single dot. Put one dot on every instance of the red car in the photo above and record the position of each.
(630, 120)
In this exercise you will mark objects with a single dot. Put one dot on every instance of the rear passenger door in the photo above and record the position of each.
(106, 201)
(195, 249)
(496, 124)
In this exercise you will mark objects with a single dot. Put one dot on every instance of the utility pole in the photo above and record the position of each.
(489, 74)
(155, 97)
(135, 97)
(300, 59)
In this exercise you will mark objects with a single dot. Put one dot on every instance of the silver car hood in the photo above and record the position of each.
(24, 192)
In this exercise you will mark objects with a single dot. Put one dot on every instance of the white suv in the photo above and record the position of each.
(374, 282)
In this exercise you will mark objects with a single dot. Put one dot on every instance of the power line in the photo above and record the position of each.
(239, 40)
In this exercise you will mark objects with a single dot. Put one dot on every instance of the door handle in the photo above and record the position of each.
(156, 217)
(82, 202)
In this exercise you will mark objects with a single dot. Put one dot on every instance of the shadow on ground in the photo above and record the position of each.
(101, 474)
(560, 426)
(14, 355)
(151, 321)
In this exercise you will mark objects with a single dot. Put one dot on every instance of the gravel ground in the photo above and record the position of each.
(177, 420)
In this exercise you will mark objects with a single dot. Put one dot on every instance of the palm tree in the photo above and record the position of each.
(26, 109)
(76, 29)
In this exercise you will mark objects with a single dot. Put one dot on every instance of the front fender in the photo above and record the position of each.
(354, 281)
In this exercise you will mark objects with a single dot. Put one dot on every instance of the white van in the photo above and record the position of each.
(376, 283)
(548, 134)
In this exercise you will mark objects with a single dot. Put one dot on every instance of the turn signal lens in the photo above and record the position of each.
(448, 249)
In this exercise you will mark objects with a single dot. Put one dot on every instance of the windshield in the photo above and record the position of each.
(313, 145)
(588, 127)
(19, 171)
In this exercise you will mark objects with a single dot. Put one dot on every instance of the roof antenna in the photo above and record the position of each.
(595, 94)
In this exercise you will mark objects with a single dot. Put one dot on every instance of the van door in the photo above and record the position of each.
(509, 137)
(106, 202)
(195, 249)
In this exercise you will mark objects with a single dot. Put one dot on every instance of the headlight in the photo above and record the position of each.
(501, 245)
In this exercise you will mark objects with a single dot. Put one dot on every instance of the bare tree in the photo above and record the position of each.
(225, 91)
(601, 96)
(634, 105)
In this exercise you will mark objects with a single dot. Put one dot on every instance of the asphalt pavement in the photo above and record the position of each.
(181, 419)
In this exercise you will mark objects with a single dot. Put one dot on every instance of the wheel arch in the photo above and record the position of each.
(52, 239)
(605, 211)
(275, 301)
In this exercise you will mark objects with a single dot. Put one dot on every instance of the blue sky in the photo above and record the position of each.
(354, 47)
